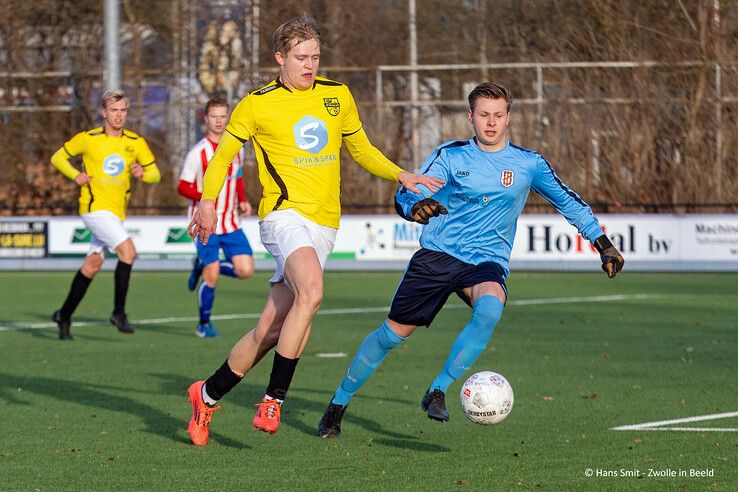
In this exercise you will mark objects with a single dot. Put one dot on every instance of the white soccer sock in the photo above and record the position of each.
(267, 398)
(206, 398)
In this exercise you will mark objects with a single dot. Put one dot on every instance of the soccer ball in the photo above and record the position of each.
(486, 398)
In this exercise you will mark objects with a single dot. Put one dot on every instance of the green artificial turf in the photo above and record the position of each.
(109, 411)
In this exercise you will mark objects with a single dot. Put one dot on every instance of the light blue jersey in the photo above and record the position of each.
(485, 193)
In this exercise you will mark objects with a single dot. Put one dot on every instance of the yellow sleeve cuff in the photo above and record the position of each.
(151, 174)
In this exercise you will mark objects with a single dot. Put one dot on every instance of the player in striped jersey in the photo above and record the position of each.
(487, 184)
(111, 157)
(228, 235)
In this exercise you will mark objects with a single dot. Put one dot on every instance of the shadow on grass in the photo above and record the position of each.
(246, 394)
(96, 329)
(413, 445)
(156, 421)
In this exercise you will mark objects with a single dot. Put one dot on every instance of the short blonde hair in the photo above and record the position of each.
(113, 96)
(294, 32)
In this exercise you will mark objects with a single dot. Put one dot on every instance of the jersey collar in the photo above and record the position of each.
(474, 141)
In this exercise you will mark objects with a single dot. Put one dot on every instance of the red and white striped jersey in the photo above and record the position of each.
(226, 205)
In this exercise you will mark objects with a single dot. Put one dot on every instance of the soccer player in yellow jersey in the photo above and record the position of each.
(111, 157)
(296, 124)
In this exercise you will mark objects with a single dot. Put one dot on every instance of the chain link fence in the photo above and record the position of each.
(630, 136)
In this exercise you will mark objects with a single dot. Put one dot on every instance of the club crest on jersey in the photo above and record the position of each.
(507, 178)
(332, 105)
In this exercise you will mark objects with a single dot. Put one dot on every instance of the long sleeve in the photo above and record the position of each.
(151, 173)
(146, 158)
(60, 160)
(369, 157)
(435, 165)
(240, 189)
(566, 201)
(189, 190)
(218, 166)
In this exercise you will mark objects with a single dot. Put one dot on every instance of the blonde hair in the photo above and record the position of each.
(294, 32)
(113, 96)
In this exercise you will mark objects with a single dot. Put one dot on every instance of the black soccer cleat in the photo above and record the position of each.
(434, 402)
(330, 423)
(63, 324)
(121, 321)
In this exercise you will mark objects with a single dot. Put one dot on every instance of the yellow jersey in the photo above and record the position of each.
(297, 138)
(107, 160)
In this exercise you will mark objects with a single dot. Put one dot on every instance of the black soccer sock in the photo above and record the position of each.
(76, 293)
(222, 381)
(283, 370)
(122, 278)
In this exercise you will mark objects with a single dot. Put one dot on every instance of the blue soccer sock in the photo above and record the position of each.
(371, 353)
(205, 299)
(227, 269)
(471, 342)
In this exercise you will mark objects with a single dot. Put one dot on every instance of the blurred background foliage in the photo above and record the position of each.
(635, 103)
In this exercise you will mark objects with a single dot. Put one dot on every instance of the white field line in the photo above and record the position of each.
(332, 355)
(659, 425)
(29, 325)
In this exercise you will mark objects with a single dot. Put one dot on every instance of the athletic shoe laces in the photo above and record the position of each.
(269, 409)
(205, 415)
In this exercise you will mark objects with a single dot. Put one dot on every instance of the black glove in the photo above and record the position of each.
(425, 209)
(612, 260)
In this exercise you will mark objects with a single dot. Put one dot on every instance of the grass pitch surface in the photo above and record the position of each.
(583, 353)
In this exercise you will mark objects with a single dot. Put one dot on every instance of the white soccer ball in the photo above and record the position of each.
(486, 398)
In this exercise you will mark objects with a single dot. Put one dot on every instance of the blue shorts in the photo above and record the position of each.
(430, 278)
(234, 243)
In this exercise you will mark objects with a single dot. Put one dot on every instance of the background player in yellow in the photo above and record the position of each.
(296, 124)
(111, 157)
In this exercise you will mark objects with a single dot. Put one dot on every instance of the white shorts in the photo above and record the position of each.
(284, 231)
(107, 231)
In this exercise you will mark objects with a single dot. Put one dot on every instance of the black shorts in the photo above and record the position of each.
(430, 278)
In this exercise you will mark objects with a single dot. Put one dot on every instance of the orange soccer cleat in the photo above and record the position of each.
(268, 415)
(201, 415)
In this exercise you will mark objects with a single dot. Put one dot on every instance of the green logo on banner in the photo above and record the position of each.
(81, 235)
(178, 235)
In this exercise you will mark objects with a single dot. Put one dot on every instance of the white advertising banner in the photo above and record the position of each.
(540, 239)
(656, 237)
(154, 237)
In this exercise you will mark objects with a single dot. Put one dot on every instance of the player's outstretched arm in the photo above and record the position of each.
(612, 260)
(371, 159)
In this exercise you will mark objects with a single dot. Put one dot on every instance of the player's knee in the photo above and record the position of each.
(487, 313)
(310, 296)
(267, 336)
(92, 265)
(488, 310)
(388, 338)
(128, 256)
(210, 276)
(244, 271)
